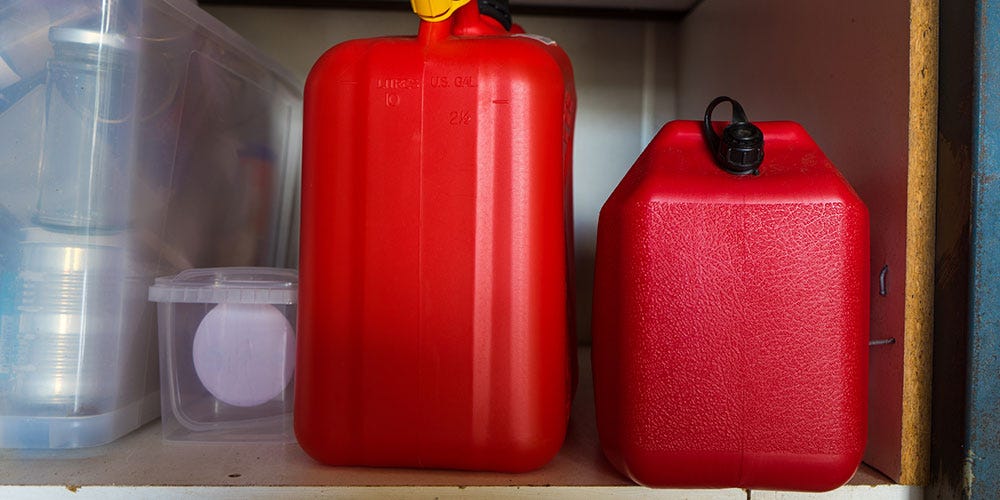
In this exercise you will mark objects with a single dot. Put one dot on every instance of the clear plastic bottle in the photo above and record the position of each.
(83, 183)
(66, 333)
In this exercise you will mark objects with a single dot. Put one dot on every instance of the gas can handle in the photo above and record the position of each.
(499, 10)
(740, 150)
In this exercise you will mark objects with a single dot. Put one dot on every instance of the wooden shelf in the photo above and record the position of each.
(142, 464)
(641, 9)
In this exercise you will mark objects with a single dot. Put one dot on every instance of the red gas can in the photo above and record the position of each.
(435, 251)
(730, 325)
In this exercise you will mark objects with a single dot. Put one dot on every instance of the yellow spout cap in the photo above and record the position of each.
(436, 10)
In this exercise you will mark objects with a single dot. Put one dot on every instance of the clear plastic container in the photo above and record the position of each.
(227, 353)
(137, 138)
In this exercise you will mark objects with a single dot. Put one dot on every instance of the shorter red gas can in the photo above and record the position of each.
(731, 310)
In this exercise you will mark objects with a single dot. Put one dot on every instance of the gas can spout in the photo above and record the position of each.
(436, 10)
(432, 31)
(437, 17)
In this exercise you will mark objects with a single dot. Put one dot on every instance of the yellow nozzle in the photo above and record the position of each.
(436, 10)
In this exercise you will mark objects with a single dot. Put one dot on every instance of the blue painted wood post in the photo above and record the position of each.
(982, 468)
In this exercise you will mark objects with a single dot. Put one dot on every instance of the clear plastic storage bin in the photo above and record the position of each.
(137, 138)
(227, 353)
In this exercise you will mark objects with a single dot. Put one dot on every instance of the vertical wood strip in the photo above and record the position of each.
(921, 204)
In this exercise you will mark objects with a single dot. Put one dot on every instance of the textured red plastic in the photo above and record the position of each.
(730, 328)
(436, 240)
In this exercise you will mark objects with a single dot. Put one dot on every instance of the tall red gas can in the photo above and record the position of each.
(731, 310)
(435, 251)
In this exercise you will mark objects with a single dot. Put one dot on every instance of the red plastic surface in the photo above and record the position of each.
(435, 252)
(730, 332)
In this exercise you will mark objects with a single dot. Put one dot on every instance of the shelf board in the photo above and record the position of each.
(634, 9)
(142, 460)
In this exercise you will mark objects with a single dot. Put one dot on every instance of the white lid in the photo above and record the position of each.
(228, 285)
(43, 236)
(84, 36)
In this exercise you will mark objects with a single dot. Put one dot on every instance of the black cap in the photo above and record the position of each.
(742, 148)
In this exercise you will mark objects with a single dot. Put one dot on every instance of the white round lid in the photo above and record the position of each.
(228, 285)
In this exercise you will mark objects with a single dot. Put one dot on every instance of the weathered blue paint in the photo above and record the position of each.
(982, 477)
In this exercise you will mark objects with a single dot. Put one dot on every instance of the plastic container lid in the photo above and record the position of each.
(83, 36)
(228, 285)
(40, 235)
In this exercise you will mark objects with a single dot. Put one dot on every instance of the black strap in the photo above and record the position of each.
(497, 9)
(740, 150)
